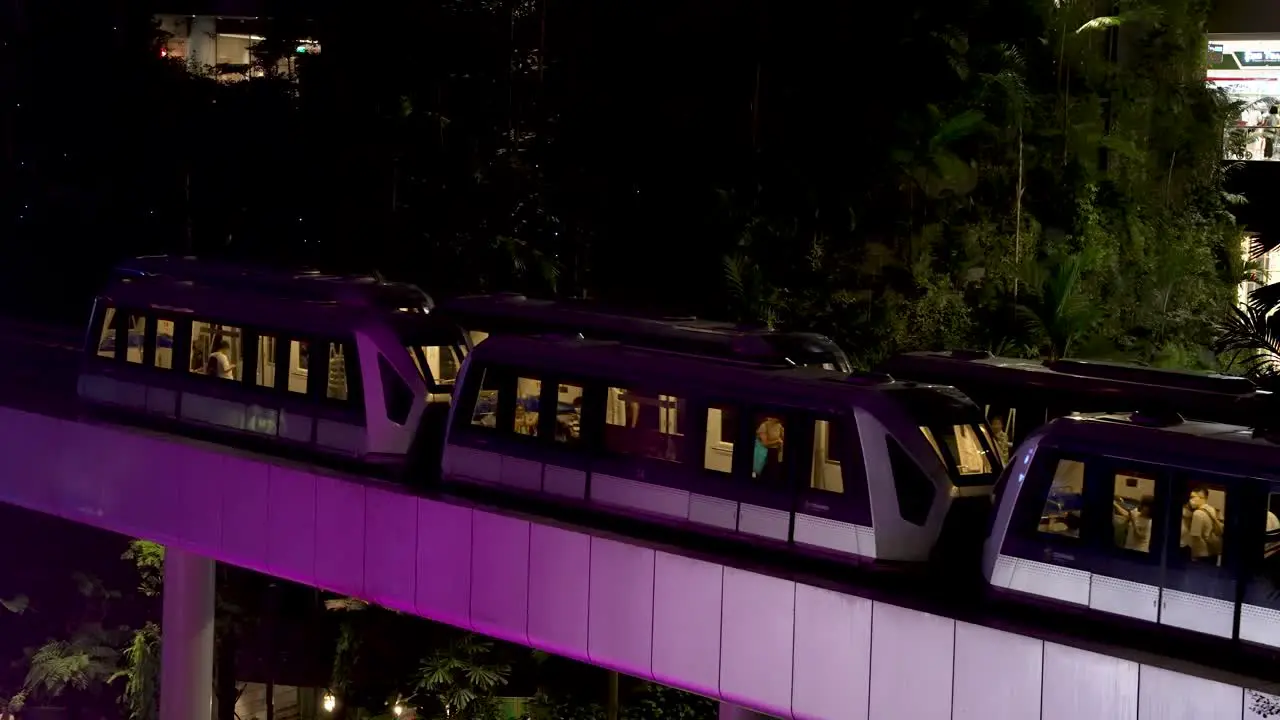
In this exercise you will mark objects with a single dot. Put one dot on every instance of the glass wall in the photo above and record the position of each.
(224, 46)
(1248, 69)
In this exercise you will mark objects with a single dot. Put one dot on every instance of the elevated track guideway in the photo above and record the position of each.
(751, 639)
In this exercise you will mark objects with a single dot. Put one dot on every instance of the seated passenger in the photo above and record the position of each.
(526, 420)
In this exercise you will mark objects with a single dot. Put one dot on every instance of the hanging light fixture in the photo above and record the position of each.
(329, 702)
(397, 709)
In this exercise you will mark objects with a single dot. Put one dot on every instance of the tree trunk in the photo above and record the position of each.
(1017, 218)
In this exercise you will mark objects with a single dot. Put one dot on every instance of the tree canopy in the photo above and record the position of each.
(1033, 176)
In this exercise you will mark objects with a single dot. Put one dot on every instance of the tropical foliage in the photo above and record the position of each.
(463, 680)
(1056, 187)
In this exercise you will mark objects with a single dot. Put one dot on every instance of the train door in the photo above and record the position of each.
(777, 463)
(1260, 559)
(570, 416)
(1203, 552)
(833, 510)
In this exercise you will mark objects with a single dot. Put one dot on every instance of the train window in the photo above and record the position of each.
(485, 413)
(1003, 421)
(639, 423)
(1133, 507)
(1061, 514)
(528, 395)
(568, 413)
(396, 394)
(136, 339)
(437, 364)
(768, 456)
(299, 361)
(914, 489)
(1203, 523)
(164, 343)
(215, 350)
(336, 388)
(444, 363)
(266, 372)
(963, 445)
(1271, 543)
(107, 340)
(933, 443)
(827, 474)
(718, 447)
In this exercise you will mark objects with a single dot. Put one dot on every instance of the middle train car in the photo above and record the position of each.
(861, 467)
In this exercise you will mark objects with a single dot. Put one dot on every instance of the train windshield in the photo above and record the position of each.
(955, 429)
(436, 348)
(437, 364)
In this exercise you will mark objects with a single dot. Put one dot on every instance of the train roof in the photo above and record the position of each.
(583, 316)
(247, 306)
(665, 371)
(298, 284)
(1093, 386)
(1211, 446)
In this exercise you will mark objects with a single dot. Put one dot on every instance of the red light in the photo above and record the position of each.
(164, 52)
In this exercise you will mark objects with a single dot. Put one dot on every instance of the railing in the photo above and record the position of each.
(1249, 142)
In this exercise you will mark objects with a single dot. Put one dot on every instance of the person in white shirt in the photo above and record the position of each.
(1271, 122)
(220, 365)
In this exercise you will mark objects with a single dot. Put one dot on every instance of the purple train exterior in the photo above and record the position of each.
(860, 467)
(339, 367)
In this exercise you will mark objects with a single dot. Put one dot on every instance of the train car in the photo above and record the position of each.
(485, 315)
(1168, 522)
(337, 367)
(860, 467)
(1021, 395)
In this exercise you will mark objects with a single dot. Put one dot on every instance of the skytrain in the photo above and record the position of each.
(1109, 504)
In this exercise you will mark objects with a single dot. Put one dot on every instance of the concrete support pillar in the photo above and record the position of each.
(736, 712)
(186, 631)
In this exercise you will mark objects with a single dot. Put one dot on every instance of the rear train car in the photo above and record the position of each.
(340, 367)
(1021, 395)
(1169, 524)
(862, 468)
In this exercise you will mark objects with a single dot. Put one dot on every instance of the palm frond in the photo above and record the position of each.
(1249, 337)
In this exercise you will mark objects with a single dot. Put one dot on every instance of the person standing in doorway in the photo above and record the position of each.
(1271, 122)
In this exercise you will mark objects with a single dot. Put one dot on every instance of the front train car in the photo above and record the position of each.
(804, 458)
(1166, 524)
